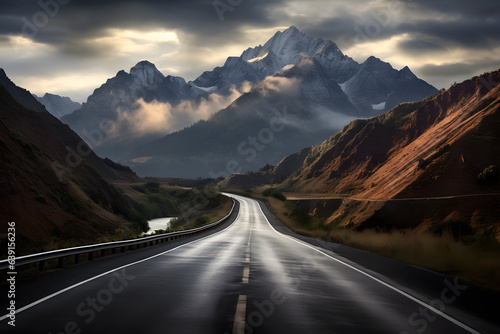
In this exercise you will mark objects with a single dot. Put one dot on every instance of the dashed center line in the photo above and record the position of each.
(239, 317)
(246, 275)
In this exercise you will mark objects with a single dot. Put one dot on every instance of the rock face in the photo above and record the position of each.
(325, 89)
(58, 106)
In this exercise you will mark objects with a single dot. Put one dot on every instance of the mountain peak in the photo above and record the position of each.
(57, 105)
(376, 64)
(292, 28)
(144, 63)
(288, 47)
(146, 72)
(373, 60)
(21, 95)
(408, 73)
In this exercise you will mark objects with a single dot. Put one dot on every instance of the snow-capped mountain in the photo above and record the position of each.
(324, 87)
(58, 106)
(289, 47)
(281, 52)
(379, 87)
(118, 98)
(372, 87)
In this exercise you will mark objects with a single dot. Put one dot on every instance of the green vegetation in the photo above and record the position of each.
(272, 193)
(136, 203)
(299, 215)
(159, 201)
(489, 176)
(202, 210)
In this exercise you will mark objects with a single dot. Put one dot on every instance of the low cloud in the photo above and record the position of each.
(274, 84)
(157, 118)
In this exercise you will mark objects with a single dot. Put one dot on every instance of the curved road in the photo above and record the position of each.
(245, 278)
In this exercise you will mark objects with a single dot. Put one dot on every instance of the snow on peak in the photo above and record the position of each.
(290, 46)
(253, 60)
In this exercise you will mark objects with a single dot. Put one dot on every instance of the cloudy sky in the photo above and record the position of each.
(70, 47)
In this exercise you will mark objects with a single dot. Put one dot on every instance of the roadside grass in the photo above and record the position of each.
(217, 210)
(472, 257)
(476, 261)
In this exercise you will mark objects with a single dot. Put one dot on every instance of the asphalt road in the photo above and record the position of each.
(245, 277)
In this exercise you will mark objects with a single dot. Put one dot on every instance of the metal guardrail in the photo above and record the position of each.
(123, 246)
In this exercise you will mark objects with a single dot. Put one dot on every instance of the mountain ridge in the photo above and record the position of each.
(53, 183)
(58, 106)
(331, 87)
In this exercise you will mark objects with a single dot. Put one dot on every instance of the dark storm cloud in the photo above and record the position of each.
(463, 8)
(458, 69)
(420, 46)
(346, 30)
(470, 24)
(464, 33)
(81, 19)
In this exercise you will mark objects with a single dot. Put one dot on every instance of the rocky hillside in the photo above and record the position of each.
(441, 148)
(51, 183)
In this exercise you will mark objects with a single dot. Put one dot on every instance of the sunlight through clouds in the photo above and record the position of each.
(137, 42)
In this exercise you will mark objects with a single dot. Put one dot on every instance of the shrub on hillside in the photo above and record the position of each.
(455, 227)
(489, 176)
(272, 193)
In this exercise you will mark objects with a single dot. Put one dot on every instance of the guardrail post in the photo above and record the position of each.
(77, 258)
(60, 262)
(90, 256)
(41, 265)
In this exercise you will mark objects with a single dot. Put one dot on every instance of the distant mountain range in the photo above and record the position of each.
(436, 147)
(58, 106)
(321, 88)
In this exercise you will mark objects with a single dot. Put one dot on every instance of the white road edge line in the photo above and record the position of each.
(239, 316)
(401, 292)
(24, 308)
